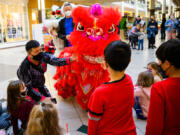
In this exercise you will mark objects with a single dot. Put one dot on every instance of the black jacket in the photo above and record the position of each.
(62, 31)
(136, 22)
(33, 75)
(163, 24)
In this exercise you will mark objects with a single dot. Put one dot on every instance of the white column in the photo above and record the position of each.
(39, 4)
(146, 8)
(136, 7)
(122, 8)
(169, 8)
(43, 10)
(164, 6)
(2, 30)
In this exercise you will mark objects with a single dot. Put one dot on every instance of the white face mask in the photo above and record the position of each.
(68, 13)
(172, 17)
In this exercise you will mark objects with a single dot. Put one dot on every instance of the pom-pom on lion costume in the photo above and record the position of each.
(95, 28)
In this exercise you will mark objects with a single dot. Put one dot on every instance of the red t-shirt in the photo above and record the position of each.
(110, 109)
(164, 110)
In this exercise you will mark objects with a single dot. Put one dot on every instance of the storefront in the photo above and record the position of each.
(13, 22)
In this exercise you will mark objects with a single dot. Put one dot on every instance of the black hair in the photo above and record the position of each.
(170, 51)
(117, 54)
(160, 52)
(32, 44)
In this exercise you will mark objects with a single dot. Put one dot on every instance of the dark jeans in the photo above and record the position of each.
(163, 34)
(138, 109)
(140, 44)
(4, 119)
(151, 41)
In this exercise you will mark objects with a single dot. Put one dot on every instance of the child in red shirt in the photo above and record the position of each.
(164, 110)
(110, 106)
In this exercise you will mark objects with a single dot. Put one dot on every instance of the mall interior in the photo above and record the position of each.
(25, 20)
(17, 17)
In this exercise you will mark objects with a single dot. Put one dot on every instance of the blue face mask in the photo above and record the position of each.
(148, 70)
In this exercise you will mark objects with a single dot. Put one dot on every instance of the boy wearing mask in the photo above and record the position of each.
(32, 69)
(164, 109)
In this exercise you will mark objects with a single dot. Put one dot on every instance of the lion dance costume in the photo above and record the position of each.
(95, 28)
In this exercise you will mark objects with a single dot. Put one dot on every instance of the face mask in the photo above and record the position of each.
(68, 13)
(172, 17)
(38, 57)
(23, 93)
(148, 70)
(162, 72)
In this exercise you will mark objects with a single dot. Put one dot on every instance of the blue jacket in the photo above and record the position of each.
(173, 24)
(152, 31)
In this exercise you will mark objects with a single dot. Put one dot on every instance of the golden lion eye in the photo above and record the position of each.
(80, 27)
(112, 29)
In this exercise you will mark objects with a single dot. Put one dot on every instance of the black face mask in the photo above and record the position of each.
(38, 57)
(23, 93)
(162, 72)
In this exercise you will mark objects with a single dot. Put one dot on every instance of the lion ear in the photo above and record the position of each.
(109, 17)
(79, 13)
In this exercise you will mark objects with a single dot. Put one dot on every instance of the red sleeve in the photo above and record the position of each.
(155, 122)
(95, 111)
(68, 60)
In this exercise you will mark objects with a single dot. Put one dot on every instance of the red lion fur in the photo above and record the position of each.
(81, 77)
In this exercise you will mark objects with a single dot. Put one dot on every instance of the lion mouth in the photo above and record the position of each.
(94, 34)
(93, 60)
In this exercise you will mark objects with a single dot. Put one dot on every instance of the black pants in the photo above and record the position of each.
(133, 41)
(163, 34)
(178, 34)
(151, 43)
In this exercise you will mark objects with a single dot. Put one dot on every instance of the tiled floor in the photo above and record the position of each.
(69, 110)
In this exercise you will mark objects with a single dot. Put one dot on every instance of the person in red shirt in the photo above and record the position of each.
(164, 111)
(110, 105)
